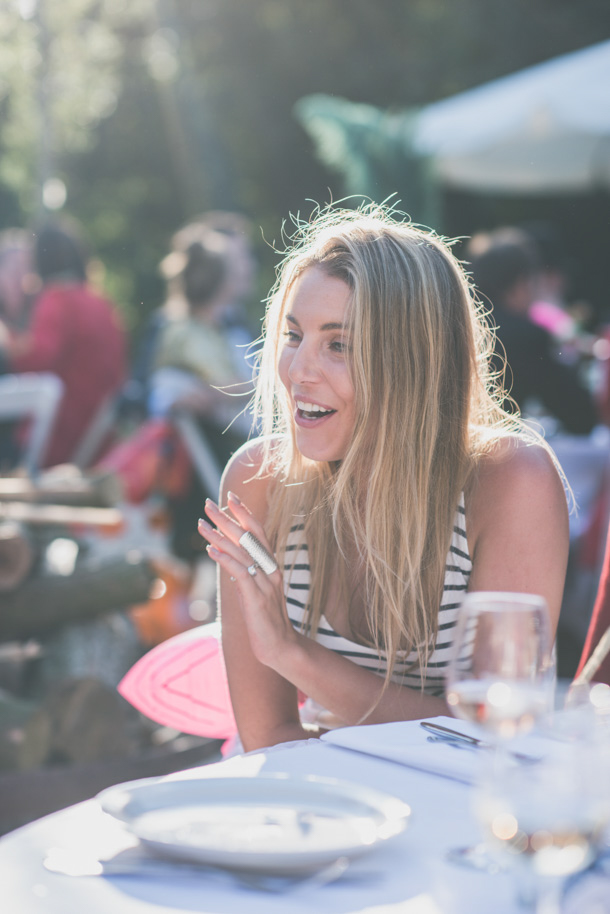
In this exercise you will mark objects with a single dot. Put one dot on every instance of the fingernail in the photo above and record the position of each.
(204, 524)
(212, 551)
(233, 497)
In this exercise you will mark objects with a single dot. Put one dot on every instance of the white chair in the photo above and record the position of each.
(202, 456)
(98, 429)
(36, 396)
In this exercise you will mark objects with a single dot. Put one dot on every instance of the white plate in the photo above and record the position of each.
(273, 823)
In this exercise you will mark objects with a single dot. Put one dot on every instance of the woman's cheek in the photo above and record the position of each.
(283, 367)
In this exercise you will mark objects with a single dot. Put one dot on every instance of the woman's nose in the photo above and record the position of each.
(304, 365)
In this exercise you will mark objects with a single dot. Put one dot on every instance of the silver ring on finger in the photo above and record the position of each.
(252, 569)
(255, 549)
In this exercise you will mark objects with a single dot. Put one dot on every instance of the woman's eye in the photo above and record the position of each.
(292, 336)
(339, 346)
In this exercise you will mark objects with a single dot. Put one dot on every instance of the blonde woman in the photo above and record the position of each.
(388, 482)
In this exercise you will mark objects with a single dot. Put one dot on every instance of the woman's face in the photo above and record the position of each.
(314, 367)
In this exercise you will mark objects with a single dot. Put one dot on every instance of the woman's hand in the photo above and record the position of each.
(270, 661)
(261, 595)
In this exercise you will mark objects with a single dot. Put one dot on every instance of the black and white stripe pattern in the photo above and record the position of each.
(457, 571)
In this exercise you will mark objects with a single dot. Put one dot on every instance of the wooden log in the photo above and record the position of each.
(98, 490)
(105, 648)
(25, 734)
(89, 721)
(64, 515)
(16, 665)
(19, 652)
(17, 555)
(42, 604)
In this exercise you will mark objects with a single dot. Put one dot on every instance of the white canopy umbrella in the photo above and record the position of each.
(542, 130)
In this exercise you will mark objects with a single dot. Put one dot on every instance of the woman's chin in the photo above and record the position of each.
(319, 453)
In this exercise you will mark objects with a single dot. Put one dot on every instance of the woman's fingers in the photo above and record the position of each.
(222, 543)
(236, 502)
(260, 544)
(234, 528)
(228, 537)
(245, 518)
(225, 523)
(236, 568)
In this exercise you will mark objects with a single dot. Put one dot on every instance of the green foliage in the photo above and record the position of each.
(372, 152)
(153, 111)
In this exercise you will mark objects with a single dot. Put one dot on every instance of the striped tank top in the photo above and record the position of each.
(406, 670)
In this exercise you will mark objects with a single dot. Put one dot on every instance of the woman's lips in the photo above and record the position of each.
(309, 415)
(310, 409)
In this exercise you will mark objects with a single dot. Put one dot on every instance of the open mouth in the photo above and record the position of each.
(312, 410)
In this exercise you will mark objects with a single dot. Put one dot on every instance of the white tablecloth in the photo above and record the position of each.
(408, 874)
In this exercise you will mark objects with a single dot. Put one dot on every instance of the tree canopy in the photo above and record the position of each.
(153, 111)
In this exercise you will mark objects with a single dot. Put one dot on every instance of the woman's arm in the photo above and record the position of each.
(266, 659)
(264, 703)
(518, 536)
(518, 530)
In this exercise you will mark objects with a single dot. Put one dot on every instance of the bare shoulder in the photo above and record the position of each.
(517, 516)
(517, 477)
(517, 461)
(242, 475)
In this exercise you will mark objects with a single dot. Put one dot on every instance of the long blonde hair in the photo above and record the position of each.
(427, 408)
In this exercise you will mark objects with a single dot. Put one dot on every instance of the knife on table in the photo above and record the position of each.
(455, 736)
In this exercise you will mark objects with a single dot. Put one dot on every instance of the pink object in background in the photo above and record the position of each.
(182, 683)
(552, 318)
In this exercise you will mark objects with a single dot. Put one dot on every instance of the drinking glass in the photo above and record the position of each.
(546, 821)
(502, 671)
(501, 676)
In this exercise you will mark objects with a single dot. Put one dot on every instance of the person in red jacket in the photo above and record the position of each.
(75, 333)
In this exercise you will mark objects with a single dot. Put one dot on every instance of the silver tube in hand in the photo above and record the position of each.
(257, 551)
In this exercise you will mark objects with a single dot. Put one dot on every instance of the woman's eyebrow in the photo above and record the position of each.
(331, 325)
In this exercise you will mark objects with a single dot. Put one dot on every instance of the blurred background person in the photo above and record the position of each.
(548, 381)
(505, 271)
(230, 310)
(549, 307)
(74, 333)
(196, 363)
(198, 358)
(239, 286)
(580, 339)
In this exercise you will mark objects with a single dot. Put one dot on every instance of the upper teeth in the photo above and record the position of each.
(311, 407)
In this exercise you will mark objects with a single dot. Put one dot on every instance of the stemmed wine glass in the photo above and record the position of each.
(502, 671)
(501, 675)
(546, 821)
